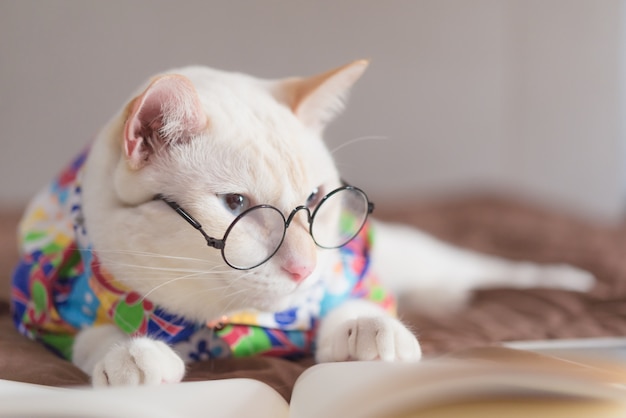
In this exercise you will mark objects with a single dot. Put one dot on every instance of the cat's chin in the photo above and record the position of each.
(276, 304)
(282, 297)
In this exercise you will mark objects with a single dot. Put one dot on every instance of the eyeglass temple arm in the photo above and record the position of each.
(212, 242)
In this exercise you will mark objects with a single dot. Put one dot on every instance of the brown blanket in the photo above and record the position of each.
(489, 225)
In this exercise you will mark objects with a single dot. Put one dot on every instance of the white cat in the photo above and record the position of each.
(117, 275)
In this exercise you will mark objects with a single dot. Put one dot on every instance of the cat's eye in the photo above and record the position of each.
(315, 197)
(235, 203)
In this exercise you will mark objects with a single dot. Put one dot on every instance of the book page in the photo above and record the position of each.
(519, 408)
(603, 349)
(377, 389)
(9, 387)
(230, 398)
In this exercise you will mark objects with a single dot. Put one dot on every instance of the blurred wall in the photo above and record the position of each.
(516, 97)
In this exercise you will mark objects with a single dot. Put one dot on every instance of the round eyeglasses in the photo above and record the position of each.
(257, 233)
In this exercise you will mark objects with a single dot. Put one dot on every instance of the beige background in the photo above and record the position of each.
(516, 97)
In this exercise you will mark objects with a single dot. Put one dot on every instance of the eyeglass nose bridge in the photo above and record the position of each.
(295, 211)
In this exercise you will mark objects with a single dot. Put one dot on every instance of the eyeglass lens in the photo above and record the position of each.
(339, 218)
(254, 237)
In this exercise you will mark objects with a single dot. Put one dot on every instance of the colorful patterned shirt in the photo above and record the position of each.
(59, 287)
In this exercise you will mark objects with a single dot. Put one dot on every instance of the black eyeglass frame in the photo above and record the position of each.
(220, 244)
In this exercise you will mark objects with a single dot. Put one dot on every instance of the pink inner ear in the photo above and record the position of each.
(145, 118)
(168, 111)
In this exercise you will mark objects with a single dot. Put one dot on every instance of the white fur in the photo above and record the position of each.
(360, 330)
(255, 143)
(113, 359)
(438, 278)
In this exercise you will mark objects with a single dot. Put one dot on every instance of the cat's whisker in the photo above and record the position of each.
(232, 282)
(213, 270)
(193, 275)
(226, 308)
(359, 139)
(152, 255)
(176, 279)
(199, 276)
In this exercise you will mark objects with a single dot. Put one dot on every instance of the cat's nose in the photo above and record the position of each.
(298, 270)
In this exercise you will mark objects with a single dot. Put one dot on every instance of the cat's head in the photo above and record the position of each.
(216, 143)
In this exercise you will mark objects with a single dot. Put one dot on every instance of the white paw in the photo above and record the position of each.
(370, 338)
(139, 361)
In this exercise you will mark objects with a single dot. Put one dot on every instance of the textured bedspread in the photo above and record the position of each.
(489, 225)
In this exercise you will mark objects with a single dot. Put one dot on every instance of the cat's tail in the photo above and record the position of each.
(437, 277)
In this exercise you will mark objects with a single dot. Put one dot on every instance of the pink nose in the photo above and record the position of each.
(298, 270)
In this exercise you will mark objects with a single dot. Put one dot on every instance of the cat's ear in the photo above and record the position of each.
(166, 113)
(316, 100)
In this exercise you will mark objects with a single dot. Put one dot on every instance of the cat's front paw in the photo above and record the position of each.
(370, 338)
(139, 361)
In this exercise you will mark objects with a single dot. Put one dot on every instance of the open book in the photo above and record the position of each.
(489, 382)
